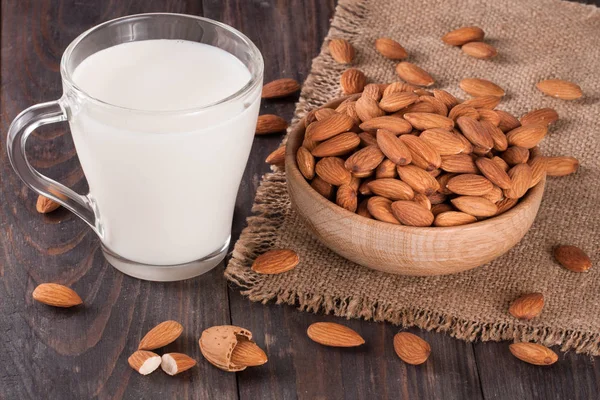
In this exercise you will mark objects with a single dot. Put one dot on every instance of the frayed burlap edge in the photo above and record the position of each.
(270, 210)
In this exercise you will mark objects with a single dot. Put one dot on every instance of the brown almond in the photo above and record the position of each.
(521, 177)
(466, 34)
(543, 116)
(476, 206)
(437, 209)
(396, 101)
(392, 189)
(505, 205)
(475, 132)
(527, 306)
(364, 187)
(306, 163)
(414, 74)
(329, 127)
(398, 87)
(538, 170)
(498, 137)
(324, 113)
(492, 171)
(332, 170)
(176, 363)
(469, 185)
(367, 108)
(218, 343)
(422, 153)
(438, 106)
(443, 181)
(395, 125)
(277, 157)
(280, 88)
(444, 142)
(325, 189)
(459, 164)
(393, 148)
(411, 213)
(334, 335)
(391, 49)
(270, 123)
(367, 139)
(45, 205)
(411, 349)
(501, 163)
(479, 50)
(424, 121)
(422, 200)
(309, 144)
(437, 198)
(448, 99)
(355, 183)
(342, 51)
(387, 169)
(527, 136)
(381, 209)
(353, 80)
(453, 218)
(533, 353)
(515, 155)
(338, 145)
(144, 362)
(486, 115)
(572, 258)
(495, 195)
(477, 87)
(419, 107)
(346, 198)
(54, 294)
(462, 110)
(508, 122)
(364, 160)
(161, 335)
(246, 353)
(486, 101)
(560, 89)
(418, 179)
(373, 91)
(363, 210)
(561, 166)
(275, 261)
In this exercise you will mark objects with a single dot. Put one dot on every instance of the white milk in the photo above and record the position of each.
(164, 184)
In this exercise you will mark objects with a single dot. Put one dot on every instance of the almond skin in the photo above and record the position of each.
(280, 88)
(423, 154)
(395, 125)
(364, 160)
(463, 35)
(560, 89)
(352, 81)
(306, 163)
(277, 157)
(325, 189)
(543, 116)
(470, 185)
(396, 101)
(521, 177)
(391, 49)
(481, 87)
(424, 121)
(572, 258)
(270, 123)
(460, 164)
(453, 218)
(411, 213)
(346, 198)
(144, 362)
(329, 127)
(381, 209)
(276, 261)
(176, 363)
(161, 335)
(493, 172)
(527, 136)
(334, 335)
(342, 51)
(338, 145)
(411, 349)
(561, 166)
(479, 50)
(476, 206)
(393, 148)
(392, 189)
(533, 353)
(444, 142)
(527, 307)
(414, 74)
(418, 179)
(45, 205)
(56, 295)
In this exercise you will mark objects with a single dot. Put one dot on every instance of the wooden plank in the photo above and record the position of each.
(81, 353)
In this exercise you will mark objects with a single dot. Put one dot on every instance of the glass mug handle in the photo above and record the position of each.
(20, 129)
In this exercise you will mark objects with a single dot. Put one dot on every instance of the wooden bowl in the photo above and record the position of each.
(401, 249)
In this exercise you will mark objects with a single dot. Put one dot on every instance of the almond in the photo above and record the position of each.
(477, 87)
(413, 74)
(335, 335)
(338, 145)
(367, 108)
(470, 185)
(381, 209)
(467, 145)
(476, 206)
(498, 137)
(538, 170)
(329, 127)
(280, 88)
(459, 163)
(505, 205)
(270, 123)
(418, 179)
(342, 51)
(325, 189)
(437, 209)
(508, 122)
(494, 172)
(411, 349)
(448, 99)
(355, 183)
(543, 116)
(479, 50)
(56, 295)
(390, 48)
(218, 344)
(275, 261)
(324, 113)
(463, 35)
(439, 107)
(306, 163)
(363, 209)
(248, 354)
(175, 363)
(533, 353)
(495, 195)
(387, 169)
(560, 89)
(346, 198)
(515, 155)
(392, 189)
(423, 154)
(398, 87)
(311, 117)
(364, 160)
(453, 218)
(527, 306)
(422, 200)
(373, 91)
(486, 101)
(45, 205)
(395, 101)
(353, 80)
(411, 213)
(419, 107)
(572, 258)
(393, 148)
(332, 170)
(501, 163)
(395, 125)
(443, 181)
(144, 362)
(527, 136)
(161, 335)
(486, 115)
(351, 112)
(277, 157)
(561, 166)
(444, 142)
(424, 121)
(437, 198)
(462, 110)
(521, 177)
(367, 139)
(475, 132)
(309, 144)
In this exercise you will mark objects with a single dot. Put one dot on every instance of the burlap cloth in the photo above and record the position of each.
(536, 40)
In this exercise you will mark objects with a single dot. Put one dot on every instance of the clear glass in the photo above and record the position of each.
(162, 184)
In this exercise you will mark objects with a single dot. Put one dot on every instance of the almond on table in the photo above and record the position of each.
(390, 48)
(45, 205)
(276, 261)
(54, 294)
(269, 123)
(411, 349)
(342, 51)
(572, 258)
(460, 36)
(334, 335)
(280, 88)
(161, 335)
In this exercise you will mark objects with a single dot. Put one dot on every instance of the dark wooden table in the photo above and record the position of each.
(48, 353)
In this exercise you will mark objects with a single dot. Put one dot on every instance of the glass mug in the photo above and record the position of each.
(162, 184)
